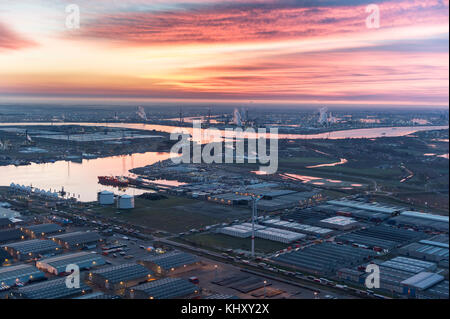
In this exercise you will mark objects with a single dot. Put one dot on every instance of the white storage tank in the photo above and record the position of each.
(125, 202)
(106, 198)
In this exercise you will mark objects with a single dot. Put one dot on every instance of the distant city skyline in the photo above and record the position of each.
(288, 51)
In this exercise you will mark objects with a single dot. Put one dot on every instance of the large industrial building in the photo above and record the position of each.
(272, 199)
(77, 240)
(51, 289)
(381, 236)
(296, 227)
(324, 258)
(120, 276)
(6, 223)
(403, 276)
(421, 221)
(433, 249)
(42, 230)
(8, 235)
(170, 263)
(9, 276)
(275, 234)
(32, 249)
(57, 265)
(166, 288)
(339, 223)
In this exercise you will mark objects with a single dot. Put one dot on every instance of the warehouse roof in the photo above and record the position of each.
(33, 246)
(44, 228)
(423, 280)
(427, 216)
(123, 272)
(365, 206)
(5, 222)
(167, 288)
(52, 289)
(173, 259)
(80, 237)
(339, 220)
(325, 257)
(409, 264)
(10, 234)
(11, 273)
(61, 262)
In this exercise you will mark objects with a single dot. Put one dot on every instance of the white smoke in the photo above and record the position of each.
(141, 113)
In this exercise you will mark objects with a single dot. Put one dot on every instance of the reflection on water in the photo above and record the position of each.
(79, 178)
(355, 133)
(341, 162)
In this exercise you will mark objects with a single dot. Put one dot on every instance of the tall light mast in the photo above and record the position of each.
(255, 200)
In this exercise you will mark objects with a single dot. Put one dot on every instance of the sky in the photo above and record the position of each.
(286, 51)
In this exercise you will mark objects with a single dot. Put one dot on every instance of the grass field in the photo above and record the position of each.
(215, 241)
(175, 214)
(307, 161)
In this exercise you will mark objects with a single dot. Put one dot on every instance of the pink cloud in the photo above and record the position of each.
(13, 41)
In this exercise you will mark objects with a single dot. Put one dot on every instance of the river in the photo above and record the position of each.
(79, 179)
(344, 134)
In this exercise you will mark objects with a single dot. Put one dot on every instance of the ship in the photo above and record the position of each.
(113, 181)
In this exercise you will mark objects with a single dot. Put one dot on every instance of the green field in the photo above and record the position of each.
(175, 214)
(217, 241)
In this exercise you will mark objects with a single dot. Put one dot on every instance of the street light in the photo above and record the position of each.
(265, 282)
(215, 272)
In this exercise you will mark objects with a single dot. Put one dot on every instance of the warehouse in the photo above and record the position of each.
(236, 231)
(78, 240)
(296, 227)
(166, 288)
(279, 235)
(9, 276)
(275, 234)
(343, 204)
(170, 263)
(51, 289)
(8, 235)
(324, 258)
(6, 223)
(339, 223)
(120, 276)
(394, 271)
(362, 214)
(242, 230)
(432, 249)
(351, 275)
(230, 199)
(42, 230)
(32, 249)
(438, 291)
(381, 236)
(272, 199)
(420, 282)
(421, 221)
(57, 265)
(309, 216)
